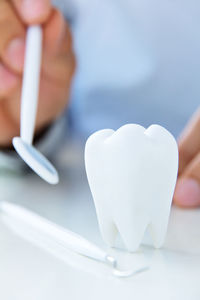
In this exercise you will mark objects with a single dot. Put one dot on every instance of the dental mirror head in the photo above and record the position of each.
(36, 161)
(29, 100)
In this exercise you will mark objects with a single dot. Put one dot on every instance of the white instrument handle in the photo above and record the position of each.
(64, 237)
(31, 80)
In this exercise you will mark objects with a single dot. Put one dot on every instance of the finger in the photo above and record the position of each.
(8, 82)
(12, 35)
(58, 58)
(33, 11)
(189, 142)
(193, 169)
(187, 193)
(56, 32)
(57, 68)
(8, 127)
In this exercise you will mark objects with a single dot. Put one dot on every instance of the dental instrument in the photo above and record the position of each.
(65, 238)
(29, 99)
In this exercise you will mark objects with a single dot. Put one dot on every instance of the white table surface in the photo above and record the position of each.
(35, 268)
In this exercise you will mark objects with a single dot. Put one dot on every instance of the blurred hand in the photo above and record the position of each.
(187, 193)
(58, 63)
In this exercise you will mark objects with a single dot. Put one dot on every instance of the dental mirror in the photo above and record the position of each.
(29, 100)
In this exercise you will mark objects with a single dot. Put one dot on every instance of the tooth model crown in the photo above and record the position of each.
(132, 175)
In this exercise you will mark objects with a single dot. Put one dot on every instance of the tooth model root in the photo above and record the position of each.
(108, 232)
(132, 238)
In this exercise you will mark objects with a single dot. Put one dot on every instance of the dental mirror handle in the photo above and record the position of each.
(31, 79)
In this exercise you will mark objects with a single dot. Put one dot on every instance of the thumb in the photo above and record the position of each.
(33, 11)
(187, 192)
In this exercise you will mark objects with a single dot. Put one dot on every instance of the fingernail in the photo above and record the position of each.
(187, 193)
(34, 8)
(15, 53)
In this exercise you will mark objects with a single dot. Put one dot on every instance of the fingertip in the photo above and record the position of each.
(33, 11)
(187, 193)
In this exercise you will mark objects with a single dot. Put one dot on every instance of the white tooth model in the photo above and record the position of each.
(132, 174)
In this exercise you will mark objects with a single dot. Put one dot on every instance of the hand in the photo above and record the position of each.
(58, 63)
(187, 193)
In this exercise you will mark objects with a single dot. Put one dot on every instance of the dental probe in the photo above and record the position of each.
(29, 100)
(64, 237)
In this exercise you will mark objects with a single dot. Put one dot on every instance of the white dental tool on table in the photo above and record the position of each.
(64, 237)
(29, 99)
